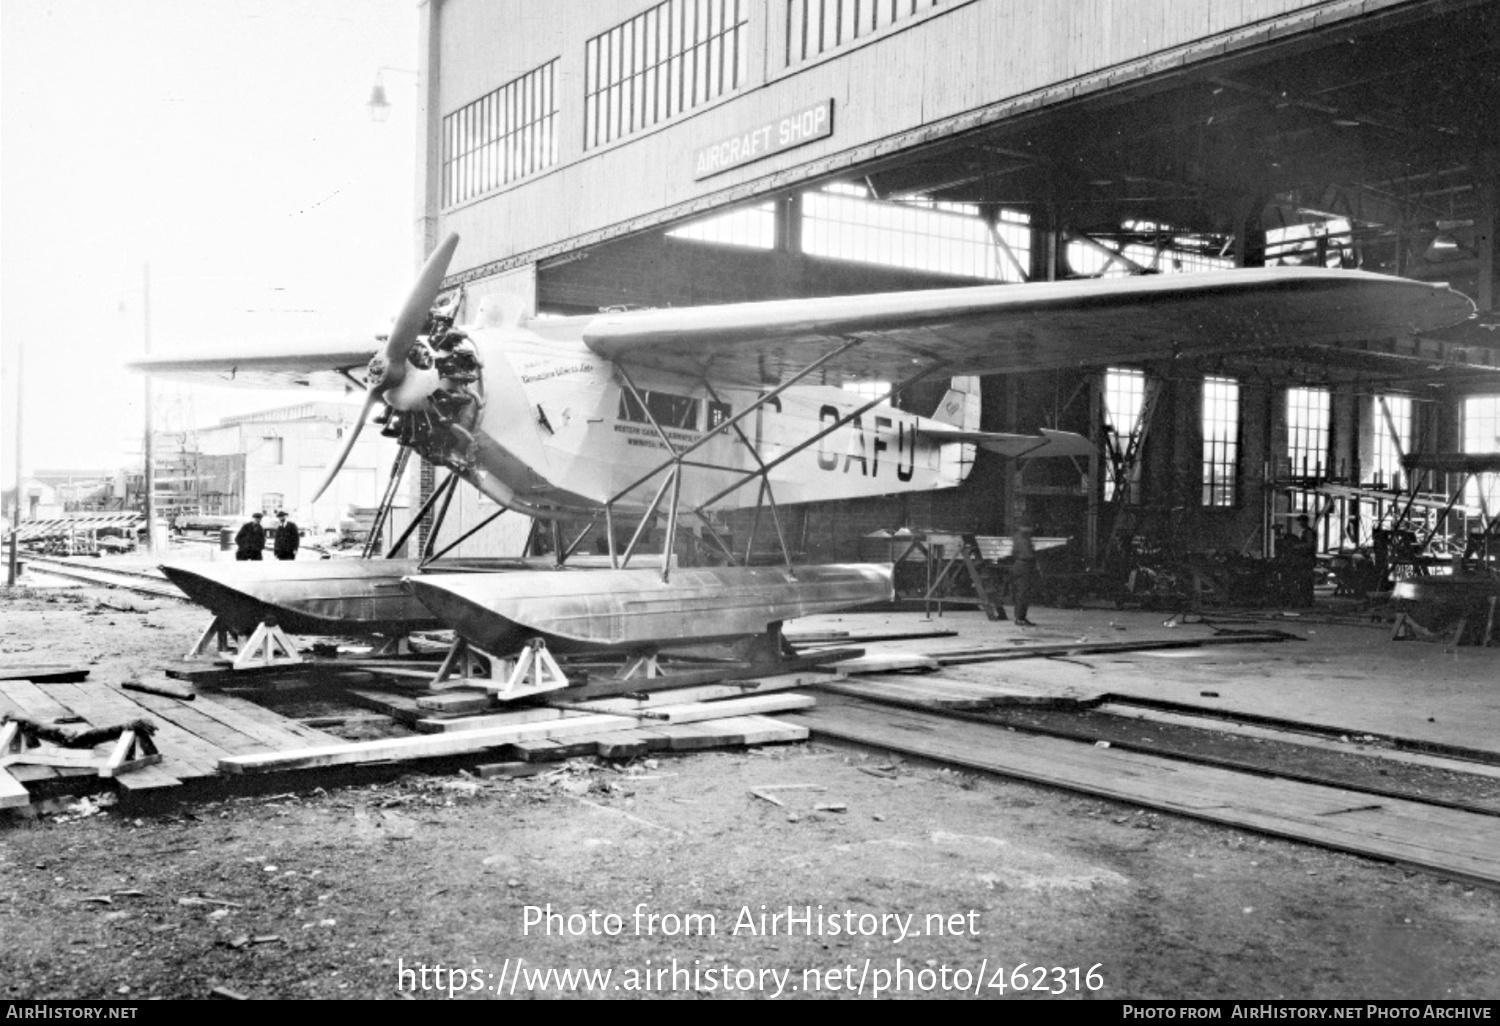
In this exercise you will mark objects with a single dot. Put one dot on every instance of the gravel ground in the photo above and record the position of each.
(332, 891)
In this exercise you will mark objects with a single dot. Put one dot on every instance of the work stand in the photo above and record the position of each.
(21, 743)
(969, 557)
(1407, 627)
(268, 645)
(531, 671)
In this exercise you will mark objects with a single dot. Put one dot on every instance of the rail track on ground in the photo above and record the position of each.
(142, 582)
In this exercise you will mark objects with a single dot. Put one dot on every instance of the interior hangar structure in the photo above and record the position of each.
(652, 153)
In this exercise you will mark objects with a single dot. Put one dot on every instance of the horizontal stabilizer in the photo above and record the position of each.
(1047, 443)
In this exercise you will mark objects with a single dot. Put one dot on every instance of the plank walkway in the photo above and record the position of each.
(191, 736)
(1448, 841)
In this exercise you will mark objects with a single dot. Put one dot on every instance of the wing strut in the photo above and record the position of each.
(387, 501)
(674, 465)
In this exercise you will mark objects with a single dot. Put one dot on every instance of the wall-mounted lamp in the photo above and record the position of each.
(379, 106)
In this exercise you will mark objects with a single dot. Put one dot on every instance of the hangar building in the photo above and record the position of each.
(685, 152)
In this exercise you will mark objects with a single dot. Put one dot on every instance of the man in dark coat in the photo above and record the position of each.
(1023, 573)
(1303, 555)
(288, 537)
(250, 543)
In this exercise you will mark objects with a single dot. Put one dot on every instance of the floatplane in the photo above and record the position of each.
(669, 415)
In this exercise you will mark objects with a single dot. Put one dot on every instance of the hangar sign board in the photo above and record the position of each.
(805, 126)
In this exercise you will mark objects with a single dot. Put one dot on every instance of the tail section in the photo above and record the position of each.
(960, 405)
(959, 409)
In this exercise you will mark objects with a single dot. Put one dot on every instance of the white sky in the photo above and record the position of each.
(225, 143)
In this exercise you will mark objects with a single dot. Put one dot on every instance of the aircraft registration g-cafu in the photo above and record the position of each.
(681, 411)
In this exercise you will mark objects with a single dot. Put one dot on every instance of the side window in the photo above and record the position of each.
(666, 409)
(718, 414)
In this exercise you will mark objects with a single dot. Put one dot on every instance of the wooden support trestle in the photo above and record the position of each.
(642, 664)
(20, 745)
(532, 671)
(217, 633)
(391, 645)
(268, 645)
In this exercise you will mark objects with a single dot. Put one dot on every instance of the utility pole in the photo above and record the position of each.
(14, 568)
(150, 453)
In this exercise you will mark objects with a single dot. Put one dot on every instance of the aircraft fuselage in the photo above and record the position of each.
(558, 426)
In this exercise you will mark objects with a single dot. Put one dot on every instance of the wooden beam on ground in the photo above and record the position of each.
(703, 693)
(754, 705)
(1077, 648)
(933, 691)
(450, 725)
(1448, 841)
(426, 746)
(44, 674)
(13, 793)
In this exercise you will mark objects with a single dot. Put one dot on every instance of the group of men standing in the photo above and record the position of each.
(250, 542)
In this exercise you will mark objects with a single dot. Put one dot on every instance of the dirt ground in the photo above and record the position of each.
(332, 892)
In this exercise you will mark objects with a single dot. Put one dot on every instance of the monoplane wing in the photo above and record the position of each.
(321, 364)
(1003, 328)
(1046, 443)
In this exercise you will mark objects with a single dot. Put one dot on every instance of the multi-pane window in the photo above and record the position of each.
(1386, 452)
(1323, 243)
(502, 136)
(1169, 254)
(668, 59)
(1221, 440)
(1307, 412)
(945, 238)
(663, 408)
(1482, 434)
(1124, 399)
(871, 389)
(1307, 419)
(751, 226)
(815, 26)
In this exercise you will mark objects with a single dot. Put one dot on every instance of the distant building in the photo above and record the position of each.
(272, 460)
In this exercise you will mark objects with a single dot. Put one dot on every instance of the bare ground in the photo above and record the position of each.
(356, 881)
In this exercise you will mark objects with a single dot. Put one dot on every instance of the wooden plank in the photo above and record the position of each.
(260, 723)
(186, 755)
(401, 708)
(934, 692)
(157, 688)
(307, 733)
(731, 707)
(958, 657)
(425, 746)
(33, 701)
(50, 673)
(735, 672)
(1229, 726)
(538, 750)
(704, 693)
(541, 714)
(738, 730)
(25, 773)
(490, 770)
(1450, 841)
(194, 721)
(13, 793)
(146, 778)
(887, 662)
(456, 703)
(627, 744)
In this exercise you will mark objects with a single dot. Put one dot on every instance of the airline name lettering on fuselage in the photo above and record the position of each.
(866, 452)
(557, 372)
